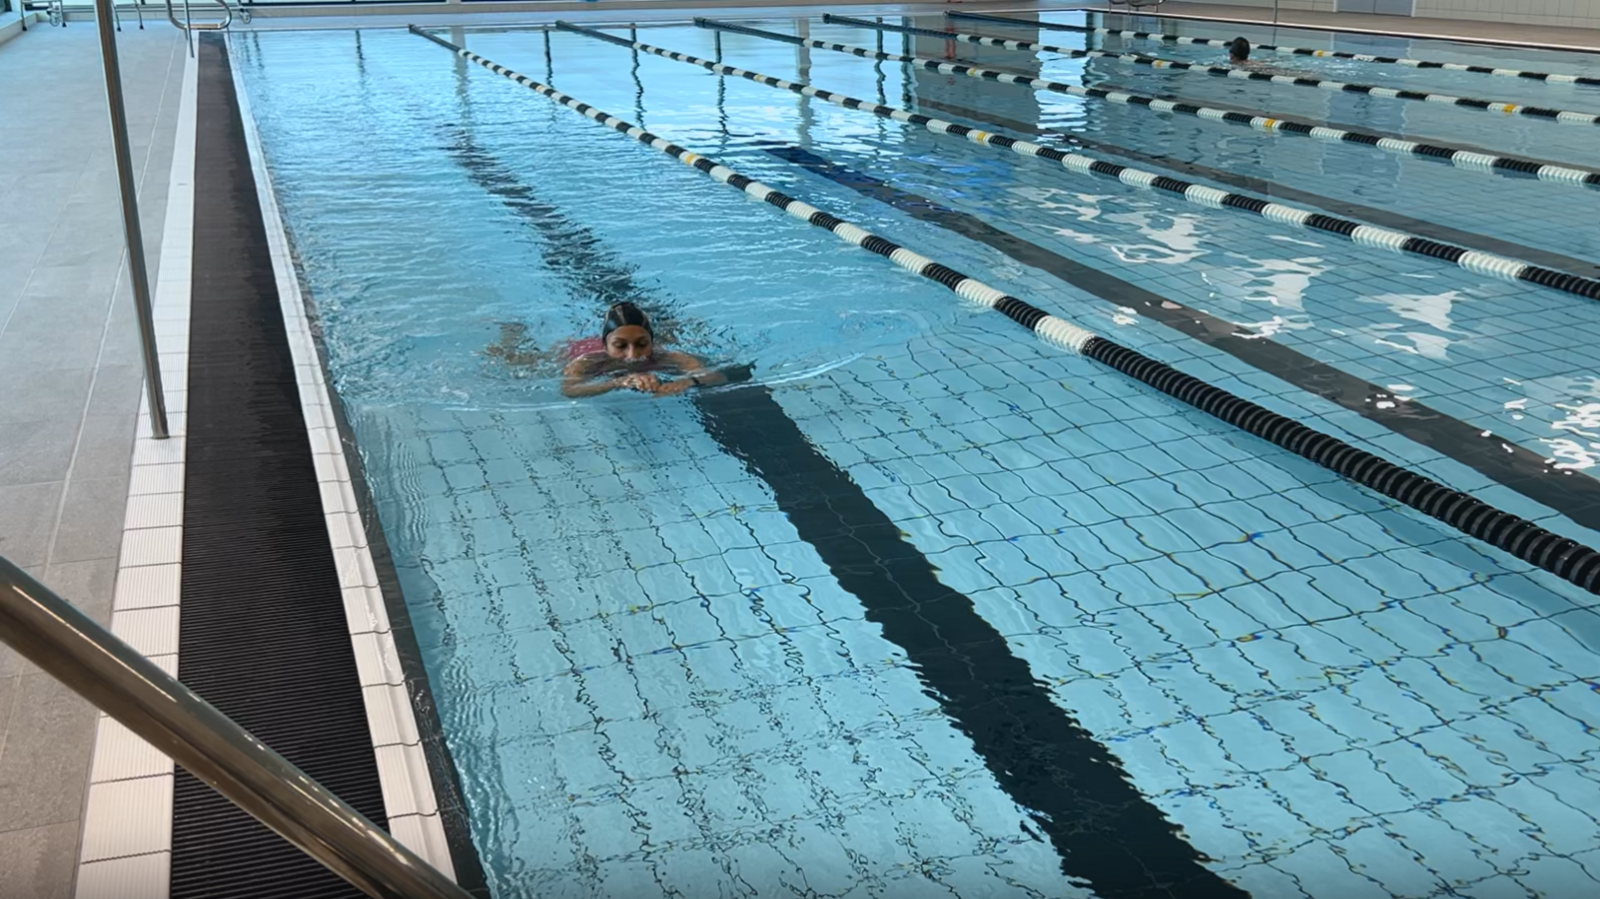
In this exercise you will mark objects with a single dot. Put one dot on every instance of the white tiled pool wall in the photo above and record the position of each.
(126, 851)
(408, 796)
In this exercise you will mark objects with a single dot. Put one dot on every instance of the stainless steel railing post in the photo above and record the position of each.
(138, 275)
(188, 27)
(67, 645)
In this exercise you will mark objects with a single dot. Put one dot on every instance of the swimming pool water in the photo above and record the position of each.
(933, 607)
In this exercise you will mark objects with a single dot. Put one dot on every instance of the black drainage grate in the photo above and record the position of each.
(262, 629)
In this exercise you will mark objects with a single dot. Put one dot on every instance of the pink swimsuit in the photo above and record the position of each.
(585, 347)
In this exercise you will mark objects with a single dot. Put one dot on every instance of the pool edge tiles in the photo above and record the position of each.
(126, 844)
(415, 818)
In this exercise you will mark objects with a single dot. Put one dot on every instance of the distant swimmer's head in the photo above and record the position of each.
(627, 335)
(1238, 50)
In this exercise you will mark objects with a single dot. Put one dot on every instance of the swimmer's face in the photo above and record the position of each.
(629, 343)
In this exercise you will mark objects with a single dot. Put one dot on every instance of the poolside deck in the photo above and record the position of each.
(69, 357)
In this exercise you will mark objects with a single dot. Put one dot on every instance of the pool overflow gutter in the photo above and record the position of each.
(1563, 557)
(1462, 158)
(1198, 194)
(1278, 48)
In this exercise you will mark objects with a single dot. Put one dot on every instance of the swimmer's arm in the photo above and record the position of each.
(577, 380)
(694, 371)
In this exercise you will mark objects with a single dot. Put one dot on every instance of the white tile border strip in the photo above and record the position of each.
(126, 851)
(408, 796)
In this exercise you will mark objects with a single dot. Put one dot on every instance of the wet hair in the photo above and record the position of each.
(1239, 48)
(624, 314)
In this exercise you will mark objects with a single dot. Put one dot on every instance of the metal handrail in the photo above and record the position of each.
(73, 649)
(138, 275)
(188, 25)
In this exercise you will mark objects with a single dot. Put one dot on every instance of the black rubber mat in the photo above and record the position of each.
(262, 630)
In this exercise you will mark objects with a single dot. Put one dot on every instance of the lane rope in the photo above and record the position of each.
(1198, 194)
(1465, 159)
(1566, 117)
(1563, 557)
(1552, 77)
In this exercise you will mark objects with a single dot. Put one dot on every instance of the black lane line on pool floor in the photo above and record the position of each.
(1105, 830)
(1269, 124)
(1278, 48)
(1385, 217)
(1573, 494)
(262, 634)
(1566, 116)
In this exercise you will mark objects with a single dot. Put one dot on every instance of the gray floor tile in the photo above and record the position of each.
(91, 520)
(11, 665)
(117, 388)
(122, 347)
(74, 294)
(35, 393)
(78, 244)
(61, 242)
(88, 584)
(27, 516)
(8, 695)
(106, 448)
(40, 862)
(33, 452)
(37, 200)
(44, 765)
(50, 335)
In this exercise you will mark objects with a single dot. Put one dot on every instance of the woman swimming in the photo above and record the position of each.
(1239, 52)
(625, 356)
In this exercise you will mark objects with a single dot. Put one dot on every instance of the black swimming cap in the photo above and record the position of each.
(623, 314)
(1239, 48)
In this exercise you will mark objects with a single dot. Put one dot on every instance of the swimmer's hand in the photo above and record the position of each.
(673, 388)
(642, 382)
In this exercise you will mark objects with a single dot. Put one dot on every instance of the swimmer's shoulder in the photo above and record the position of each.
(587, 363)
(681, 361)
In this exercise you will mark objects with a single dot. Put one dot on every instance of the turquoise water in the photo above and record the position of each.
(934, 607)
